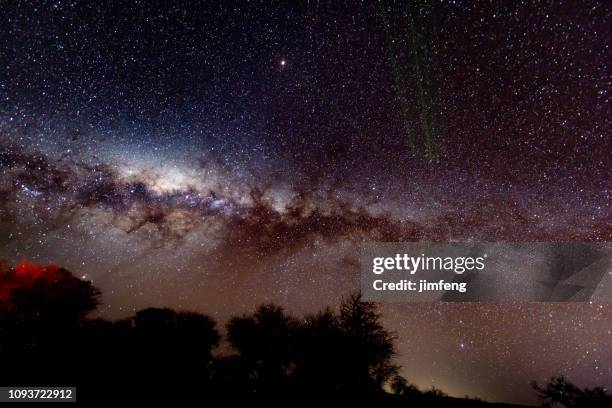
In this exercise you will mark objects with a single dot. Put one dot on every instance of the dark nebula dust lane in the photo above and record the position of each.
(213, 157)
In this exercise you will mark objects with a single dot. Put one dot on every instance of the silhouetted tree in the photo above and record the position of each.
(560, 392)
(435, 393)
(45, 294)
(344, 353)
(320, 357)
(369, 345)
(265, 342)
(186, 331)
(41, 310)
(40, 305)
(164, 341)
(400, 386)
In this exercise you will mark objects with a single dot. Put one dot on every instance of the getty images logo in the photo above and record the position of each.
(413, 264)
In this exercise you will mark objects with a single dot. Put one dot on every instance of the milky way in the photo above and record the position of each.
(217, 157)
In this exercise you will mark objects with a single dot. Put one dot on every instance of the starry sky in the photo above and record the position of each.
(214, 156)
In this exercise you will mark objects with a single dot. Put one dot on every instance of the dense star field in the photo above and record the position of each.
(216, 156)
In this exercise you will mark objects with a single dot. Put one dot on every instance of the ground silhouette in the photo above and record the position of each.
(161, 354)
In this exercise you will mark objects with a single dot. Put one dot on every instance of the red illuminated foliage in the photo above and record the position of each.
(45, 292)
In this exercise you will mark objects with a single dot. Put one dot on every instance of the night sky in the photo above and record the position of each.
(214, 156)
